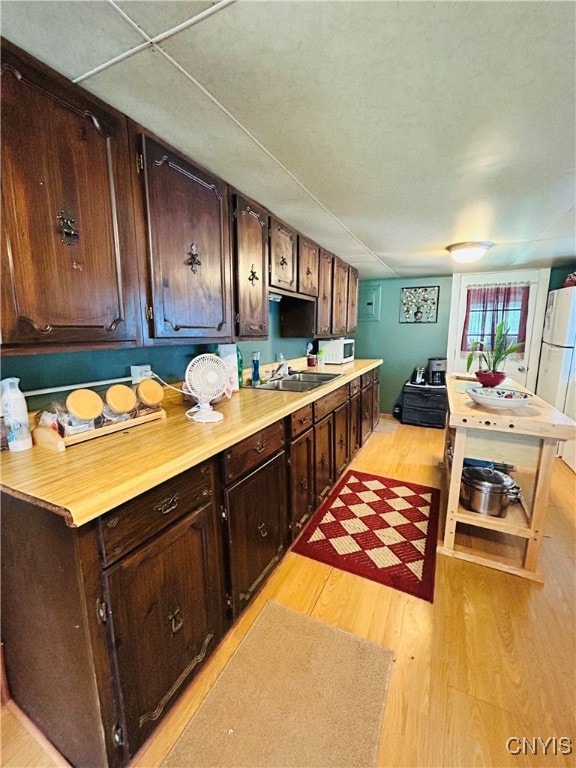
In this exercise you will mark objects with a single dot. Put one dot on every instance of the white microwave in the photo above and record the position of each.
(337, 351)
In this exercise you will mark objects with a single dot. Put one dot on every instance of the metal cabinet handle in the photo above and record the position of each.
(70, 235)
(193, 260)
(262, 530)
(253, 276)
(167, 505)
(176, 621)
(260, 447)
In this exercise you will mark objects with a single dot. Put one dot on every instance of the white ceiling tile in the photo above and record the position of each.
(157, 17)
(70, 36)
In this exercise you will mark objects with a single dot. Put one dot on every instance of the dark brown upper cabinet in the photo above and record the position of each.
(283, 255)
(308, 255)
(68, 243)
(339, 296)
(188, 247)
(352, 314)
(324, 304)
(250, 237)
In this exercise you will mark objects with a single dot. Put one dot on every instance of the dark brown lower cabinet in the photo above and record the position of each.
(103, 624)
(375, 399)
(341, 438)
(256, 511)
(166, 615)
(324, 452)
(367, 410)
(355, 425)
(302, 487)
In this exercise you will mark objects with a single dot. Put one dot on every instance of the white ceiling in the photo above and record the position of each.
(383, 130)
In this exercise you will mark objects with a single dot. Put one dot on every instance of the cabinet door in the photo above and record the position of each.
(283, 255)
(166, 614)
(375, 401)
(339, 296)
(251, 273)
(308, 256)
(341, 438)
(256, 510)
(301, 474)
(355, 425)
(367, 405)
(324, 452)
(189, 247)
(324, 304)
(68, 243)
(352, 313)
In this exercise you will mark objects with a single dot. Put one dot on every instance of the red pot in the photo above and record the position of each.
(490, 378)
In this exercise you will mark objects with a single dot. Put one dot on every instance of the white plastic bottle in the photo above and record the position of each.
(15, 414)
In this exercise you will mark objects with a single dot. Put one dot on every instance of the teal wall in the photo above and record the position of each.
(402, 346)
(61, 369)
(559, 274)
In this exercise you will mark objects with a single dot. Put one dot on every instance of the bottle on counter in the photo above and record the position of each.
(15, 413)
(240, 363)
(255, 369)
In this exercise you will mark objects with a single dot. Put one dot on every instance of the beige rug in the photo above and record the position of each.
(297, 692)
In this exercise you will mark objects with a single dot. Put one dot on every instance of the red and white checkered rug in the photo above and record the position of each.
(382, 529)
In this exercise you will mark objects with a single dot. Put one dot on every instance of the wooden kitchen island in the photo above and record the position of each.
(524, 438)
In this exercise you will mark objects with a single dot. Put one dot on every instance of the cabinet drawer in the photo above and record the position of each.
(423, 417)
(424, 399)
(330, 402)
(355, 386)
(367, 379)
(128, 526)
(248, 453)
(301, 420)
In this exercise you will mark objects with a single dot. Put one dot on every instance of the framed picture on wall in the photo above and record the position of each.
(419, 305)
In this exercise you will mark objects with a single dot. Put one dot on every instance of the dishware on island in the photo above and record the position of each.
(494, 397)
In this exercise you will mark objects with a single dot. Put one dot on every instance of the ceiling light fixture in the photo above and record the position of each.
(465, 253)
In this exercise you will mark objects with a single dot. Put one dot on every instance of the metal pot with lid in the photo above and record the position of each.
(487, 491)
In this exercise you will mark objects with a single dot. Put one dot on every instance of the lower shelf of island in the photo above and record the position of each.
(499, 542)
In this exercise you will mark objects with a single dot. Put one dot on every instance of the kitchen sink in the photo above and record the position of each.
(299, 382)
(314, 377)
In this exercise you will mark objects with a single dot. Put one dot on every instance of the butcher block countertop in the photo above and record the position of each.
(88, 479)
(537, 418)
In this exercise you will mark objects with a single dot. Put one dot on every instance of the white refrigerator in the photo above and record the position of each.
(557, 369)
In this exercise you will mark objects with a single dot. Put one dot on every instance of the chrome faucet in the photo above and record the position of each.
(282, 369)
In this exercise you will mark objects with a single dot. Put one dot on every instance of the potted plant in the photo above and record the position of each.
(490, 359)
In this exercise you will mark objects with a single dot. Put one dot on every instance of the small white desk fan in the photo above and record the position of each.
(207, 378)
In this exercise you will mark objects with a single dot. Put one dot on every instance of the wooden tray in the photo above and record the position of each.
(46, 437)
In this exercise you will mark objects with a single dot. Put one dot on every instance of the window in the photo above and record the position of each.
(488, 305)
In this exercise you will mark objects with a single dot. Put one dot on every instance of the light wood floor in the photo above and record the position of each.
(493, 659)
